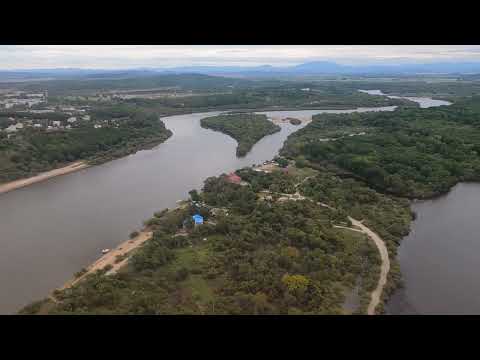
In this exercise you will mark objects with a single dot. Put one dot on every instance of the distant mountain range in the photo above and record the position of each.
(309, 68)
(331, 68)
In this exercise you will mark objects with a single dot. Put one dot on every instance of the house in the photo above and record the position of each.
(198, 219)
(234, 178)
(97, 126)
(19, 125)
(57, 123)
(72, 119)
(37, 125)
(68, 127)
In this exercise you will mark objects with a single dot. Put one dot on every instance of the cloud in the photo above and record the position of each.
(127, 56)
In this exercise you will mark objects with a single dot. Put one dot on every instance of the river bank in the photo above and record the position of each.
(115, 259)
(180, 269)
(17, 184)
(64, 231)
(440, 256)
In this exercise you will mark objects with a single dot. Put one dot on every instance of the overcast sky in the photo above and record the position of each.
(130, 56)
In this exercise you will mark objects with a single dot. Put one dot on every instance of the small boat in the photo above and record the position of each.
(104, 251)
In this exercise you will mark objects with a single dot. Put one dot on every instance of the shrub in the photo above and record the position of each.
(182, 274)
(80, 273)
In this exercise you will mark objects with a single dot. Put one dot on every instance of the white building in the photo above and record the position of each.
(57, 123)
(68, 108)
(37, 125)
(11, 128)
(19, 125)
(72, 119)
(97, 126)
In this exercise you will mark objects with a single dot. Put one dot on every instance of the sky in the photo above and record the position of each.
(13, 57)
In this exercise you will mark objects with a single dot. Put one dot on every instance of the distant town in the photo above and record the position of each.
(21, 106)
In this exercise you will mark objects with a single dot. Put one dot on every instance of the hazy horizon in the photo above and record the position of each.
(117, 57)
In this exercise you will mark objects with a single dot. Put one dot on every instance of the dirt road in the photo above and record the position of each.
(42, 177)
(380, 244)
(384, 269)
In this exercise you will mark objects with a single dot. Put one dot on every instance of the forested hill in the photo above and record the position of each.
(416, 153)
(247, 129)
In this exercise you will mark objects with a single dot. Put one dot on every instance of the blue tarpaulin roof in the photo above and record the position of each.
(198, 219)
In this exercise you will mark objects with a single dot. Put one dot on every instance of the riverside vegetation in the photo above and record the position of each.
(35, 151)
(414, 153)
(246, 129)
(256, 254)
(32, 151)
(253, 255)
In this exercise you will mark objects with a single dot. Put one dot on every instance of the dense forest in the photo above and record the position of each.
(256, 256)
(215, 92)
(79, 86)
(247, 129)
(32, 151)
(415, 153)
(435, 87)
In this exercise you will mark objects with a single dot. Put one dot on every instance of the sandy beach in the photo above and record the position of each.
(110, 258)
(283, 120)
(42, 177)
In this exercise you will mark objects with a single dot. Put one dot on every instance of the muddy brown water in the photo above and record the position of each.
(50, 230)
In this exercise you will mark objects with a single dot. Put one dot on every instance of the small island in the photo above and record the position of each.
(247, 129)
(294, 121)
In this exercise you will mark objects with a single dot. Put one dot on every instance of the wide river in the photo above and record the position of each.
(50, 230)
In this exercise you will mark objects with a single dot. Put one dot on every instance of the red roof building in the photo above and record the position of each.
(234, 178)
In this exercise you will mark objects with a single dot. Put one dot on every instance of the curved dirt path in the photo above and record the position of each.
(384, 269)
(382, 249)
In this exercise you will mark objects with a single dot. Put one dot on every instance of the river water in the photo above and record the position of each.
(440, 258)
(50, 230)
(424, 102)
